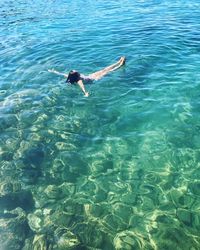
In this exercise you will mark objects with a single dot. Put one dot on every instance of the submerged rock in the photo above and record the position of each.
(12, 196)
(53, 192)
(112, 224)
(41, 221)
(127, 240)
(45, 221)
(60, 218)
(65, 190)
(13, 229)
(8, 187)
(89, 234)
(11, 200)
(7, 121)
(35, 221)
(50, 195)
(40, 198)
(34, 156)
(194, 188)
(68, 189)
(174, 238)
(66, 239)
(32, 160)
(39, 242)
(184, 216)
(93, 211)
(180, 199)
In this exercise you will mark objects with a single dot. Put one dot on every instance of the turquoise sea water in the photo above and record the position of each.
(119, 169)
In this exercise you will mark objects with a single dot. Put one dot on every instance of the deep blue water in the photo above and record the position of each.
(119, 169)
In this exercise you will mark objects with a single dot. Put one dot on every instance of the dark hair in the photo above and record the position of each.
(73, 76)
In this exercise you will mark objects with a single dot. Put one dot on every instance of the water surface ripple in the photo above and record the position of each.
(119, 169)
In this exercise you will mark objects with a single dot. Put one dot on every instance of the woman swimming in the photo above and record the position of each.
(75, 77)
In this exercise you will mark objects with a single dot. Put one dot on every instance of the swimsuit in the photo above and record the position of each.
(87, 79)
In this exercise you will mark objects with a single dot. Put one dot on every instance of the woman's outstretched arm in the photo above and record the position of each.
(81, 85)
(57, 72)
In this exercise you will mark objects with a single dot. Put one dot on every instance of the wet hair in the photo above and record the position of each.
(73, 76)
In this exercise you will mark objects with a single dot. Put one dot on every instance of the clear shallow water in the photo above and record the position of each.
(117, 170)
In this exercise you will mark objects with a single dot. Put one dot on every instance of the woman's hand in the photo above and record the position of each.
(51, 70)
(86, 94)
(57, 72)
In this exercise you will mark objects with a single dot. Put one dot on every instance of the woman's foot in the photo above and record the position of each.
(122, 60)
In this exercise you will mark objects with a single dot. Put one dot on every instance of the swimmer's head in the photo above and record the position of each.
(73, 76)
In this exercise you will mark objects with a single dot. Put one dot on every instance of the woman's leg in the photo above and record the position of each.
(99, 74)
